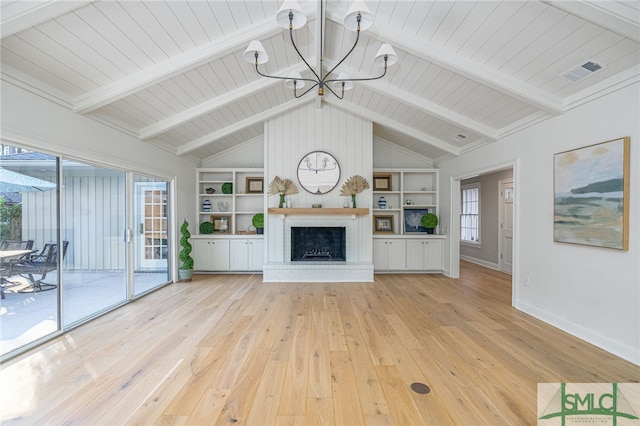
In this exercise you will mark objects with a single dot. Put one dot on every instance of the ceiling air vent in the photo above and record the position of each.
(459, 137)
(581, 71)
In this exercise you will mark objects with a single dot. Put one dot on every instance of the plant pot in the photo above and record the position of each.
(185, 274)
(259, 231)
(430, 230)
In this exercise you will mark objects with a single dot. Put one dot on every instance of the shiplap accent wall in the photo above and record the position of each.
(291, 135)
(93, 221)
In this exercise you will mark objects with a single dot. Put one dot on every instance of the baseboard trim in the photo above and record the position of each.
(606, 343)
(481, 262)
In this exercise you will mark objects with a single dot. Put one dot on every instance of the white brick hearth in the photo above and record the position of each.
(353, 270)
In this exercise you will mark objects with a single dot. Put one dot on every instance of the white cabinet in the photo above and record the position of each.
(389, 254)
(247, 254)
(210, 254)
(424, 255)
(408, 254)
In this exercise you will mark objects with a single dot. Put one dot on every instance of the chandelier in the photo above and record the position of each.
(291, 16)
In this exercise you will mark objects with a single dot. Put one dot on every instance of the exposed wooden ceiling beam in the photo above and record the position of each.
(386, 121)
(147, 77)
(466, 67)
(222, 101)
(20, 15)
(433, 109)
(256, 119)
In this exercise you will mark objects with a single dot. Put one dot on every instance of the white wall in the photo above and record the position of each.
(291, 135)
(246, 154)
(593, 293)
(387, 155)
(33, 122)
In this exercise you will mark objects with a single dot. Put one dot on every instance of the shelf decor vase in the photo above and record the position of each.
(282, 201)
(382, 203)
(353, 201)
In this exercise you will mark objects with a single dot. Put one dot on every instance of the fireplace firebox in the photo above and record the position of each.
(318, 244)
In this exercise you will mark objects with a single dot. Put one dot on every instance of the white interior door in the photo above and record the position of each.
(506, 225)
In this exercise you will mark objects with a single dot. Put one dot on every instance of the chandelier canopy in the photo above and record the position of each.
(291, 16)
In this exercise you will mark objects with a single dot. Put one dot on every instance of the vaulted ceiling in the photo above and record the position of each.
(171, 73)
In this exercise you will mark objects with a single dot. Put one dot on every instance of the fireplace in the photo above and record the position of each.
(318, 244)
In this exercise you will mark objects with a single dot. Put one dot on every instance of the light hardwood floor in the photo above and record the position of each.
(230, 349)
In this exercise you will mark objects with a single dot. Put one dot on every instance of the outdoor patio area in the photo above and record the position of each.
(25, 317)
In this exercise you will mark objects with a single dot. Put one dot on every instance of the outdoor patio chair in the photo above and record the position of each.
(7, 262)
(40, 264)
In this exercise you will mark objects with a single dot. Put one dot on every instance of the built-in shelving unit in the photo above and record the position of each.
(237, 202)
(408, 193)
(235, 195)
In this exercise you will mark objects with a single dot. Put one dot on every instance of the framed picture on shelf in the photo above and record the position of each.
(591, 195)
(413, 220)
(382, 182)
(254, 185)
(383, 224)
(221, 224)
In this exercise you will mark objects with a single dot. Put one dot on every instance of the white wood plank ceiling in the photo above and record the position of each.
(171, 73)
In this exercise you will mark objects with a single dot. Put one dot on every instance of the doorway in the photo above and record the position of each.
(492, 243)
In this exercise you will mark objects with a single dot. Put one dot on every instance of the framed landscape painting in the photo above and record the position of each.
(591, 195)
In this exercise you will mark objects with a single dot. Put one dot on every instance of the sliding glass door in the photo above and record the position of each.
(73, 251)
(93, 222)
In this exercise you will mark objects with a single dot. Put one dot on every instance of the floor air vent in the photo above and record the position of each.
(581, 71)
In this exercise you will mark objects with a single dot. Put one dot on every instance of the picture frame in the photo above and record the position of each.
(254, 185)
(221, 224)
(383, 224)
(382, 182)
(591, 195)
(412, 221)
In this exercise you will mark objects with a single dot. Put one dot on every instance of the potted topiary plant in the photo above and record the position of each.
(429, 221)
(258, 222)
(186, 270)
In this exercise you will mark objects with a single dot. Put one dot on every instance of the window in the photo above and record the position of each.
(470, 214)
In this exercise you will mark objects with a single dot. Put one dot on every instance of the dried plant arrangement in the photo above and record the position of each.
(282, 187)
(354, 185)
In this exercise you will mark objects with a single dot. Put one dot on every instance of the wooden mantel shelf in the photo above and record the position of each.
(321, 211)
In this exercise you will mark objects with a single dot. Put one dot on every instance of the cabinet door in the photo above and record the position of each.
(239, 255)
(397, 255)
(415, 254)
(433, 255)
(220, 255)
(201, 254)
(380, 255)
(256, 255)
(247, 255)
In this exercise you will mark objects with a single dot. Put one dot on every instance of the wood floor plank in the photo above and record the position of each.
(372, 400)
(294, 391)
(229, 349)
(346, 400)
(264, 409)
